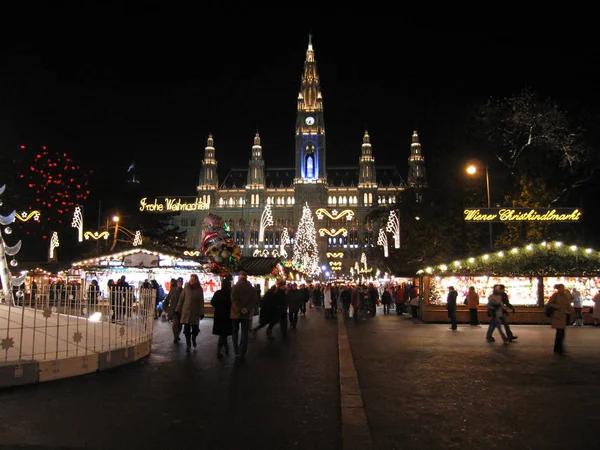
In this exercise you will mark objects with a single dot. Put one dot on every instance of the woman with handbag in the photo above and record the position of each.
(563, 311)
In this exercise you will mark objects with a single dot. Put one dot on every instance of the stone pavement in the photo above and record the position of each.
(427, 387)
(403, 385)
(285, 396)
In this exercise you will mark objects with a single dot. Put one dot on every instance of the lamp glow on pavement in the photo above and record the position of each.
(95, 317)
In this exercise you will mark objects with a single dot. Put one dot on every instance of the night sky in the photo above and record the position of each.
(151, 92)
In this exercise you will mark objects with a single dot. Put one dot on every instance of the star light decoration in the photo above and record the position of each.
(77, 337)
(321, 212)
(266, 220)
(393, 226)
(7, 343)
(306, 251)
(382, 240)
(24, 216)
(47, 313)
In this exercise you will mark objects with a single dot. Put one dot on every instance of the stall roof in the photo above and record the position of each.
(96, 261)
(541, 259)
(257, 266)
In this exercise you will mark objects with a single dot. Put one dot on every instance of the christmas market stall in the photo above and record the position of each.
(528, 273)
(143, 264)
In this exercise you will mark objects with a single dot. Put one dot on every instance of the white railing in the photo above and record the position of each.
(54, 323)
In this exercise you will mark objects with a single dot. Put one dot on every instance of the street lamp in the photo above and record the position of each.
(472, 170)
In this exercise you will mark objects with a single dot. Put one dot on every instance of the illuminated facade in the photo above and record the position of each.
(340, 197)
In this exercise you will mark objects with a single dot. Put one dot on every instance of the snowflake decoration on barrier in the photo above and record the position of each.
(77, 336)
(122, 331)
(47, 313)
(7, 343)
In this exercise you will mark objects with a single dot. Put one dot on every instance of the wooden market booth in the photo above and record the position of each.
(529, 274)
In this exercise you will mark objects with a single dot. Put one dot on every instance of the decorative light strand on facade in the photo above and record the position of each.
(266, 220)
(95, 235)
(393, 226)
(383, 241)
(53, 244)
(78, 223)
(348, 213)
(24, 216)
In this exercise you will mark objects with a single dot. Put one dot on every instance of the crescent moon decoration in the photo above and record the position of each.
(24, 216)
(348, 213)
(191, 253)
(7, 220)
(12, 251)
(383, 241)
(334, 255)
(95, 235)
(18, 281)
(333, 232)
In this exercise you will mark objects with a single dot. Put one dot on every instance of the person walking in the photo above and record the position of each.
(346, 297)
(92, 297)
(414, 302)
(596, 312)
(243, 301)
(222, 326)
(399, 299)
(170, 306)
(294, 300)
(504, 317)
(328, 300)
(578, 307)
(386, 300)
(191, 309)
(282, 306)
(305, 298)
(373, 297)
(495, 312)
(472, 304)
(355, 300)
(451, 306)
(561, 302)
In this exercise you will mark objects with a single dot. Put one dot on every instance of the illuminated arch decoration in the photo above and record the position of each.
(191, 252)
(78, 223)
(348, 213)
(383, 241)
(334, 255)
(24, 216)
(266, 220)
(393, 226)
(53, 244)
(137, 240)
(333, 232)
(95, 235)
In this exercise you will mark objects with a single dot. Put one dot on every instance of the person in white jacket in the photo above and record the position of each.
(578, 307)
(328, 301)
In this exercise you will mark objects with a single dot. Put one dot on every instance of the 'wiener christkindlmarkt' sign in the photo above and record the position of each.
(522, 215)
(171, 204)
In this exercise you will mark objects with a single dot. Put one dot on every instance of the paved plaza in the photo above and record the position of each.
(422, 386)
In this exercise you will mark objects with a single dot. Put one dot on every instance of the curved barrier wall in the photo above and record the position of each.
(59, 333)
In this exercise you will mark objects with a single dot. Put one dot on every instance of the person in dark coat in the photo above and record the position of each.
(451, 306)
(386, 300)
(268, 312)
(294, 299)
(222, 326)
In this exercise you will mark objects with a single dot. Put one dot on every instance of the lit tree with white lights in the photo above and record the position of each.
(306, 251)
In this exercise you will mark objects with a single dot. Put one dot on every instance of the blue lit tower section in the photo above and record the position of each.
(310, 127)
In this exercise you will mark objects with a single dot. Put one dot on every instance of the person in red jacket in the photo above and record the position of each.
(399, 299)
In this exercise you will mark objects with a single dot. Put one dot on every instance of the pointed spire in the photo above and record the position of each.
(415, 137)
(417, 175)
(366, 139)
(257, 139)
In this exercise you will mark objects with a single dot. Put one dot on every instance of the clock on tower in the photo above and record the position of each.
(310, 120)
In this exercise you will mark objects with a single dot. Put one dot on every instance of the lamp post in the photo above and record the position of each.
(471, 170)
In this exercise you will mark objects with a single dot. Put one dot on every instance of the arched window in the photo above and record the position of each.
(370, 198)
(310, 166)
(366, 199)
(221, 201)
(345, 200)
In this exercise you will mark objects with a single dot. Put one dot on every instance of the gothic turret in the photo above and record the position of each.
(417, 176)
(208, 175)
(310, 126)
(256, 174)
(366, 175)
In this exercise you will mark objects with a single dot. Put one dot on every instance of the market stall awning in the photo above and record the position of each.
(139, 258)
(257, 265)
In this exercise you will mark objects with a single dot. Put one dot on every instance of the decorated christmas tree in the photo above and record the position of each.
(306, 251)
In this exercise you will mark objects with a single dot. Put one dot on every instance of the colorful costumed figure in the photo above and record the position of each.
(218, 246)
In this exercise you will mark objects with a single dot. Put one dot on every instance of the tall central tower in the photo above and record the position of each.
(310, 126)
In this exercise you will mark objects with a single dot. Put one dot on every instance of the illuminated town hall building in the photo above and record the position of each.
(333, 193)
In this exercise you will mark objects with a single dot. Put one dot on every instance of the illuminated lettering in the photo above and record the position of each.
(522, 215)
(168, 204)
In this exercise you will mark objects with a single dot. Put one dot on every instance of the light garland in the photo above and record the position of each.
(266, 220)
(137, 240)
(568, 259)
(348, 213)
(333, 232)
(78, 223)
(24, 216)
(306, 251)
(393, 226)
(285, 240)
(383, 241)
(95, 235)
(334, 255)
(191, 253)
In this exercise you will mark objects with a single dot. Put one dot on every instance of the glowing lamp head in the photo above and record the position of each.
(115, 218)
(471, 170)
